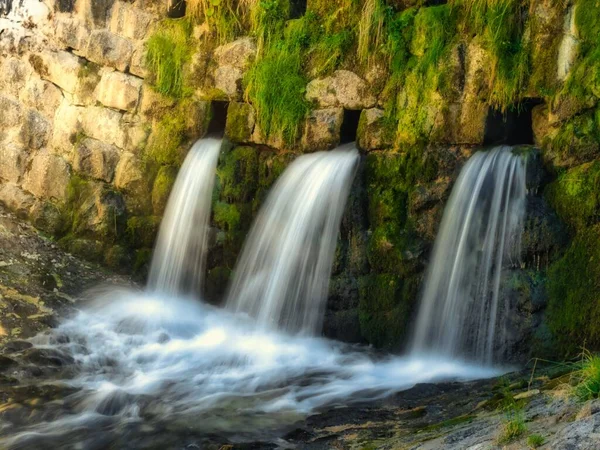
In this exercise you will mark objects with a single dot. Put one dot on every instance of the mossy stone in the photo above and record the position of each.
(163, 183)
(240, 122)
(142, 230)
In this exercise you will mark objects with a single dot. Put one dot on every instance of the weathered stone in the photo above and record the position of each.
(118, 90)
(162, 188)
(13, 161)
(371, 133)
(153, 104)
(108, 49)
(11, 117)
(36, 130)
(343, 88)
(138, 60)
(67, 129)
(105, 125)
(137, 136)
(471, 128)
(128, 21)
(240, 122)
(228, 79)
(238, 54)
(132, 179)
(61, 68)
(95, 12)
(71, 32)
(48, 176)
(47, 217)
(96, 159)
(569, 45)
(14, 73)
(101, 212)
(42, 96)
(322, 129)
(16, 199)
(540, 124)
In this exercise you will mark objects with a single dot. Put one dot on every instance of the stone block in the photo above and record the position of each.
(61, 68)
(13, 161)
(48, 176)
(108, 49)
(228, 79)
(322, 129)
(118, 90)
(96, 159)
(238, 54)
(104, 125)
(240, 122)
(128, 21)
(371, 133)
(16, 199)
(42, 96)
(343, 88)
(71, 32)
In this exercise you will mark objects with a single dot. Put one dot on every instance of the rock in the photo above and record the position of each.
(36, 130)
(47, 217)
(582, 434)
(96, 159)
(128, 21)
(48, 176)
(11, 118)
(14, 74)
(61, 68)
(118, 90)
(162, 188)
(138, 60)
(16, 346)
(569, 45)
(131, 178)
(71, 32)
(42, 96)
(238, 54)
(67, 129)
(590, 408)
(472, 120)
(153, 104)
(6, 363)
(240, 122)
(47, 356)
(228, 80)
(371, 133)
(540, 124)
(322, 129)
(101, 211)
(104, 125)
(343, 88)
(16, 199)
(108, 49)
(95, 12)
(527, 394)
(13, 161)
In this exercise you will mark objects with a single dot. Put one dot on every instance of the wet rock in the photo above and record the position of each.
(47, 357)
(322, 129)
(118, 90)
(96, 159)
(16, 346)
(343, 88)
(108, 49)
(6, 363)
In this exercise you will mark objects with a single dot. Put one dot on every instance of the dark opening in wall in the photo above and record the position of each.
(218, 117)
(64, 5)
(435, 2)
(512, 127)
(175, 9)
(349, 126)
(297, 8)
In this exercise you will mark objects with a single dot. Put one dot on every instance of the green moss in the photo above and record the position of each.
(141, 260)
(573, 313)
(385, 305)
(168, 134)
(168, 51)
(163, 183)
(578, 138)
(227, 217)
(460, 420)
(240, 122)
(142, 230)
(575, 195)
(237, 174)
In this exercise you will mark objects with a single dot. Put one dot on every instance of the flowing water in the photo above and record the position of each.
(462, 313)
(180, 254)
(154, 370)
(282, 275)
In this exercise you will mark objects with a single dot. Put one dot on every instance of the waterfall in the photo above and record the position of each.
(180, 253)
(282, 275)
(461, 310)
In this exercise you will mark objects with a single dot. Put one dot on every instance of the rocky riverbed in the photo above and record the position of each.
(40, 284)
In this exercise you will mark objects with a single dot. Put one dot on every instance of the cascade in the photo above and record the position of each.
(180, 254)
(282, 275)
(462, 312)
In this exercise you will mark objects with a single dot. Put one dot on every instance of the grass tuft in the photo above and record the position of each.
(535, 441)
(588, 377)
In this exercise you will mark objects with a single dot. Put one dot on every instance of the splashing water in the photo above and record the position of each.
(283, 272)
(480, 233)
(180, 253)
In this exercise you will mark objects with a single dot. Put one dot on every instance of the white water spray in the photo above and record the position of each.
(282, 275)
(180, 254)
(461, 311)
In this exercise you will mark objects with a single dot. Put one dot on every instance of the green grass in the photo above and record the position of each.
(513, 427)
(588, 377)
(535, 441)
(168, 51)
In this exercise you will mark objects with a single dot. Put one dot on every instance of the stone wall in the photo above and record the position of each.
(93, 131)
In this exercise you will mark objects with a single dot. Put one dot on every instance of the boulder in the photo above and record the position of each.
(13, 161)
(108, 49)
(371, 133)
(95, 159)
(48, 176)
(322, 129)
(128, 21)
(16, 199)
(343, 88)
(101, 211)
(104, 124)
(118, 90)
(240, 122)
(47, 217)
